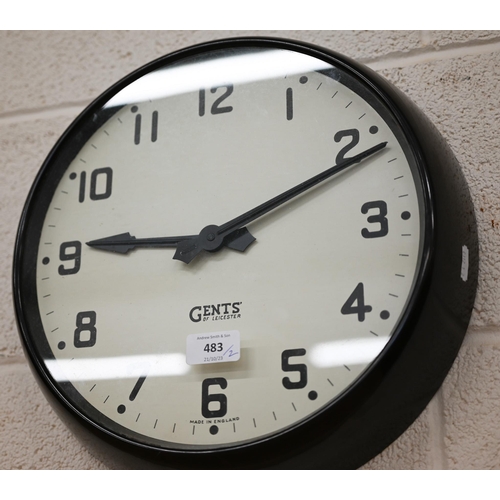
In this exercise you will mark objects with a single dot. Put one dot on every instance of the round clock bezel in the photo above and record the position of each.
(321, 439)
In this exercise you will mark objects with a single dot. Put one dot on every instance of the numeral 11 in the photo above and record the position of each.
(138, 125)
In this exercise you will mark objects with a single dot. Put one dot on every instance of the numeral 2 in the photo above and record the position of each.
(354, 135)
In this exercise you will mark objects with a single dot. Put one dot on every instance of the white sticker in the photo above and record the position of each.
(215, 347)
(464, 272)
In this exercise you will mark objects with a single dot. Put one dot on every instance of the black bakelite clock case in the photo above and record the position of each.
(384, 400)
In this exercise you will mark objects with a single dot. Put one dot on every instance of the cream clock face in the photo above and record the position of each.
(238, 344)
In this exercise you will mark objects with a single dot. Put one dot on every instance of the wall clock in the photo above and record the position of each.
(251, 253)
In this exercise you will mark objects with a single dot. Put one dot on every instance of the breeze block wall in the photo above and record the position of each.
(48, 77)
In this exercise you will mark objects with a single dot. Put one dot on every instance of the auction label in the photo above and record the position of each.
(215, 347)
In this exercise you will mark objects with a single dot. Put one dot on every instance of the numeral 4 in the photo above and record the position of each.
(355, 304)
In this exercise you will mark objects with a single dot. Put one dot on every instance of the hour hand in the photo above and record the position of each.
(125, 242)
(210, 241)
(188, 247)
(239, 240)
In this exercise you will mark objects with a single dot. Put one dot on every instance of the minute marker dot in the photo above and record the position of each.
(312, 395)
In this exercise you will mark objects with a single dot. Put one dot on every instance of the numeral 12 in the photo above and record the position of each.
(216, 108)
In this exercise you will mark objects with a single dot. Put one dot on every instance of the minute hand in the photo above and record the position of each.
(234, 234)
(275, 202)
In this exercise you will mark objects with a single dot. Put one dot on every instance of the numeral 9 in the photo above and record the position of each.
(70, 251)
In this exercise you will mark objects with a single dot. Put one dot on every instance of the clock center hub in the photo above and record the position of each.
(210, 240)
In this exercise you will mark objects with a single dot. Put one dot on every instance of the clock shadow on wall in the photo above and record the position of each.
(250, 253)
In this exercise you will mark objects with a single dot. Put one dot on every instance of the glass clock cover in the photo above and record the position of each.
(224, 247)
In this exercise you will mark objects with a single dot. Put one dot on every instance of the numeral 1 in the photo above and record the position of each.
(289, 103)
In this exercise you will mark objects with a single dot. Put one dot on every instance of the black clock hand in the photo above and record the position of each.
(231, 234)
(125, 242)
(234, 235)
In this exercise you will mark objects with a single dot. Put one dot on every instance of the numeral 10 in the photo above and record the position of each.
(101, 182)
